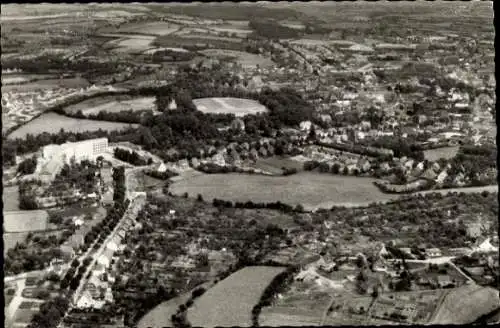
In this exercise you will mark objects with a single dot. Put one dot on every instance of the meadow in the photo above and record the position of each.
(236, 106)
(10, 198)
(53, 123)
(312, 190)
(112, 104)
(445, 152)
(69, 83)
(230, 302)
(22, 221)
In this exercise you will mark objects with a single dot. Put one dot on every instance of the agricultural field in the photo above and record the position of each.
(160, 315)
(111, 104)
(312, 190)
(293, 24)
(22, 221)
(235, 29)
(198, 40)
(466, 304)
(131, 43)
(230, 302)
(53, 123)
(236, 106)
(150, 28)
(71, 83)
(445, 152)
(244, 58)
(8, 79)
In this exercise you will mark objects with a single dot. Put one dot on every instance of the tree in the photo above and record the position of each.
(336, 168)
(345, 171)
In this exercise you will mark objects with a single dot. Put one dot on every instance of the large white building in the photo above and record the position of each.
(87, 149)
(54, 156)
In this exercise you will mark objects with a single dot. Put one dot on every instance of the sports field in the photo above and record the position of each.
(236, 106)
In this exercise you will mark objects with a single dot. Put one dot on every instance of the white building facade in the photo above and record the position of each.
(87, 149)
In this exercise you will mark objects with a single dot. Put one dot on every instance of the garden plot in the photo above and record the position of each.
(228, 105)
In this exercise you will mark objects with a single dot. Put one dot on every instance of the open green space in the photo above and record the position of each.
(312, 190)
(53, 123)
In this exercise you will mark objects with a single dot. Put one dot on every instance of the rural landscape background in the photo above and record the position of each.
(249, 164)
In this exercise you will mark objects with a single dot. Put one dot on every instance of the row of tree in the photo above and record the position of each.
(131, 157)
(277, 285)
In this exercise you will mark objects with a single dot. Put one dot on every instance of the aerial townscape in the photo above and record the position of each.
(249, 164)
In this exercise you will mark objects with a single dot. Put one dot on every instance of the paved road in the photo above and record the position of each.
(467, 190)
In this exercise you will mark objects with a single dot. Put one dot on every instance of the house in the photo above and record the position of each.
(441, 177)
(429, 174)
(385, 167)
(433, 252)
(444, 281)
(305, 125)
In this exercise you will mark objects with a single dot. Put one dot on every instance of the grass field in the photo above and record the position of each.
(445, 152)
(112, 105)
(53, 123)
(230, 302)
(23, 221)
(244, 58)
(10, 198)
(72, 83)
(130, 43)
(312, 190)
(236, 106)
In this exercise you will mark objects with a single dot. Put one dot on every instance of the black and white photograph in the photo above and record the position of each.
(249, 164)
